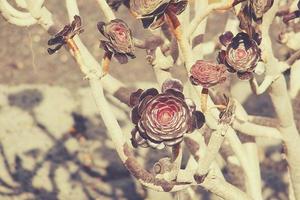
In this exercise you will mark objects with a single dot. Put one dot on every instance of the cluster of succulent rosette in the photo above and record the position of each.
(241, 54)
(162, 119)
(119, 41)
(257, 8)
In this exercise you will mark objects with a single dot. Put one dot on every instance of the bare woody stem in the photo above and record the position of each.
(77, 56)
(282, 104)
(241, 154)
(260, 131)
(223, 189)
(106, 62)
(204, 96)
(213, 147)
(212, 7)
(108, 13)
(291, 16)
(72, 45)
(213, 180)
(177, 153)
(176, 29)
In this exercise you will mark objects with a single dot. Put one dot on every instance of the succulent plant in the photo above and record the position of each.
(65, 35)
(259, 7)
(120, 42)
(115, 4)
(153, 12)
(241, 55)
(207, 74)
(163, 118)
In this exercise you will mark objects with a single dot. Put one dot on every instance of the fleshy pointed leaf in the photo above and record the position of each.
(134, 97)
(121, 58)
(198, 119)
(245, 75)
(172, 84)
(226, 38)
(135, 117)
(149, 92)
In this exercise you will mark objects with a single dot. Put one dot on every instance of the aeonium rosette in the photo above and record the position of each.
(115, 4)
(241, 54)
(153, 13)
(65, 36)
(120, 42)
(163, 118)
(207, 74)
(259, 8)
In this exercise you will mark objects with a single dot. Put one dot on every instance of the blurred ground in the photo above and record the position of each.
(43, 98)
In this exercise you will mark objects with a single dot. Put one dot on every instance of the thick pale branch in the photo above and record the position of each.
(223, 189)
(210, 8)
(107, 11)
(240, 152)
(213, 181)
(213, 147)
(256, 130)
(282, 104)
(259, 89)
(14, 16)
(5, 6)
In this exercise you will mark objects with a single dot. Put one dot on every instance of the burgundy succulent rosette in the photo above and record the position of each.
(259, 8)
(207, 74)
(241, 54)
(120, 42)
(163, 118)
(115, 4)
(153, 12)
(68, 32)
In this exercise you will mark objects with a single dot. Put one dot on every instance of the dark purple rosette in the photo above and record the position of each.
(241, 54)
(163, 118)
(153, 12)
(120, 42)
(207, 74)
(259, 8)
(67, 33)
(115, 4)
